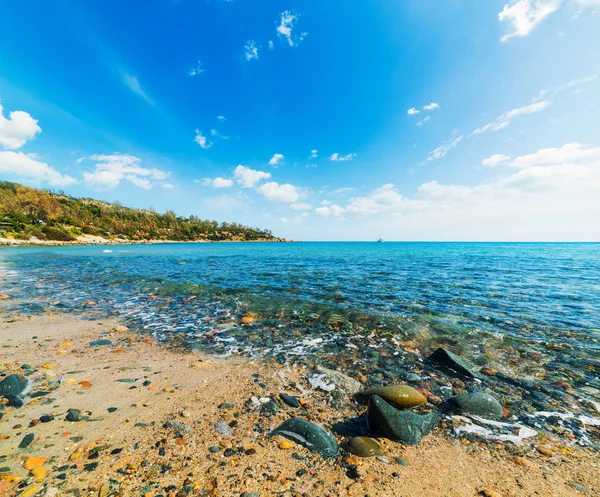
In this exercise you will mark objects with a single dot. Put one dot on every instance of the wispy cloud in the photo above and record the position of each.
(197, 69)
(134, 85)
(445, 147)
(424, 120)
(503, 120)
(314, 154)
(413, 111)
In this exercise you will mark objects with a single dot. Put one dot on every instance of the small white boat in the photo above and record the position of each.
(380, 240)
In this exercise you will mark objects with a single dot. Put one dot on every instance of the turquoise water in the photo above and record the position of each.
(530, 311)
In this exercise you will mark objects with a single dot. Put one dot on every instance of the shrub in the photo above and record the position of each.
(56, 234)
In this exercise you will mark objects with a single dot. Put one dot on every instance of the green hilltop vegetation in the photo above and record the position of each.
(28, 212)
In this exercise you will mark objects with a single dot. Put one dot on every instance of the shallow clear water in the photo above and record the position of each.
(530, 311)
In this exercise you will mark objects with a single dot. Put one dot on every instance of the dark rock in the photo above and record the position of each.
(399, 460)
(75, 415)
(13, 384)
(402, 426)
(214, 449)
(364, 447)
(229, 452)
(46, 418)
(91, 466)
(269, 409)
(111, 409)
(27, 439)
(99, 343)
(289, 400)
(14, 401)
(454, 363)
(477, 404)
(309, 435)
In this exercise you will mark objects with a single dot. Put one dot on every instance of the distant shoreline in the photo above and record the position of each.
(99, 241)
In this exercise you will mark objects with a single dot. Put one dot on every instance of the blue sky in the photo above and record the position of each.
(412, 120)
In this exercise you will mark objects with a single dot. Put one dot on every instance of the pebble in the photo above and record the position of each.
(289, 400)
(286, 444)
(39, 473)
(99, 343)
(401, 461)
(27, 439)
(226, 405)
(364, 447)
(223, 428)
(454, 363)
(46, 418)
(181, 429)
(400, 396)
(579, 487)
(521, 461)
(214, 449)
(14, 401)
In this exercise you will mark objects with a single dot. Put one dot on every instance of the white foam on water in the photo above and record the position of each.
(522, 432)
(107, 251)
(585, 420)
(318, 381)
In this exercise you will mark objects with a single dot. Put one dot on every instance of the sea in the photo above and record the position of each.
(527, 313)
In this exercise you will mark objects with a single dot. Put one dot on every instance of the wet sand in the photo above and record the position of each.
(137, 455)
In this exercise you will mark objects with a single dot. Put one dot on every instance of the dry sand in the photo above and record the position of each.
(188, 388)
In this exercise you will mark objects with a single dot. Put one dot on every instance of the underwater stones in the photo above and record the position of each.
(342, 381)
(13, 384)
(454, 363)
(309, 435)
(477, 404)
(289, 400)
(400, 396)
(364, 447)
(402, 426)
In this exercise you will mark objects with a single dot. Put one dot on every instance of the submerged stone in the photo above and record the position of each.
(340, 380)
(400, 396)
(364, 447)
(402, 426)
(309, 435)
(477, 404)
(13, 384)
(454, 363)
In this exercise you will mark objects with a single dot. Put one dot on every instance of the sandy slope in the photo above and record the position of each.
(188, 388)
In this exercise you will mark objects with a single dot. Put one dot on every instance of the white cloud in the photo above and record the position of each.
(251, 50)
(570, 153)
(134, 85)
(445, 147)
(336, 157)
(214, 132)
(432, 106)
(271, 45)
(381, 200)
(217, 182)
(276, 159)
(412, 111)
(197, 69)
(314, 154)
(566, 86)
(551, 194)
(286, 26)
(523, 16)
(424, 120)
(168, 186)
(25, 166)
(505, 119)
(221, 118)
(110, 170)
(333, 210)
(279, 193)
(201, 140)
(17, 129)
(495, 160)
(249, 178)
(301, 206)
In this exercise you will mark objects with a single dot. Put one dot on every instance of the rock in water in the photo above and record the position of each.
(455, 363)
(364, 447)
(400, 396)
(402, 426)
(309, 435)
(477, 404)
(343, 382)
(13, 384)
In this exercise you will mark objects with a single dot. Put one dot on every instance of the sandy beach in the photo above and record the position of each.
(149, 418)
